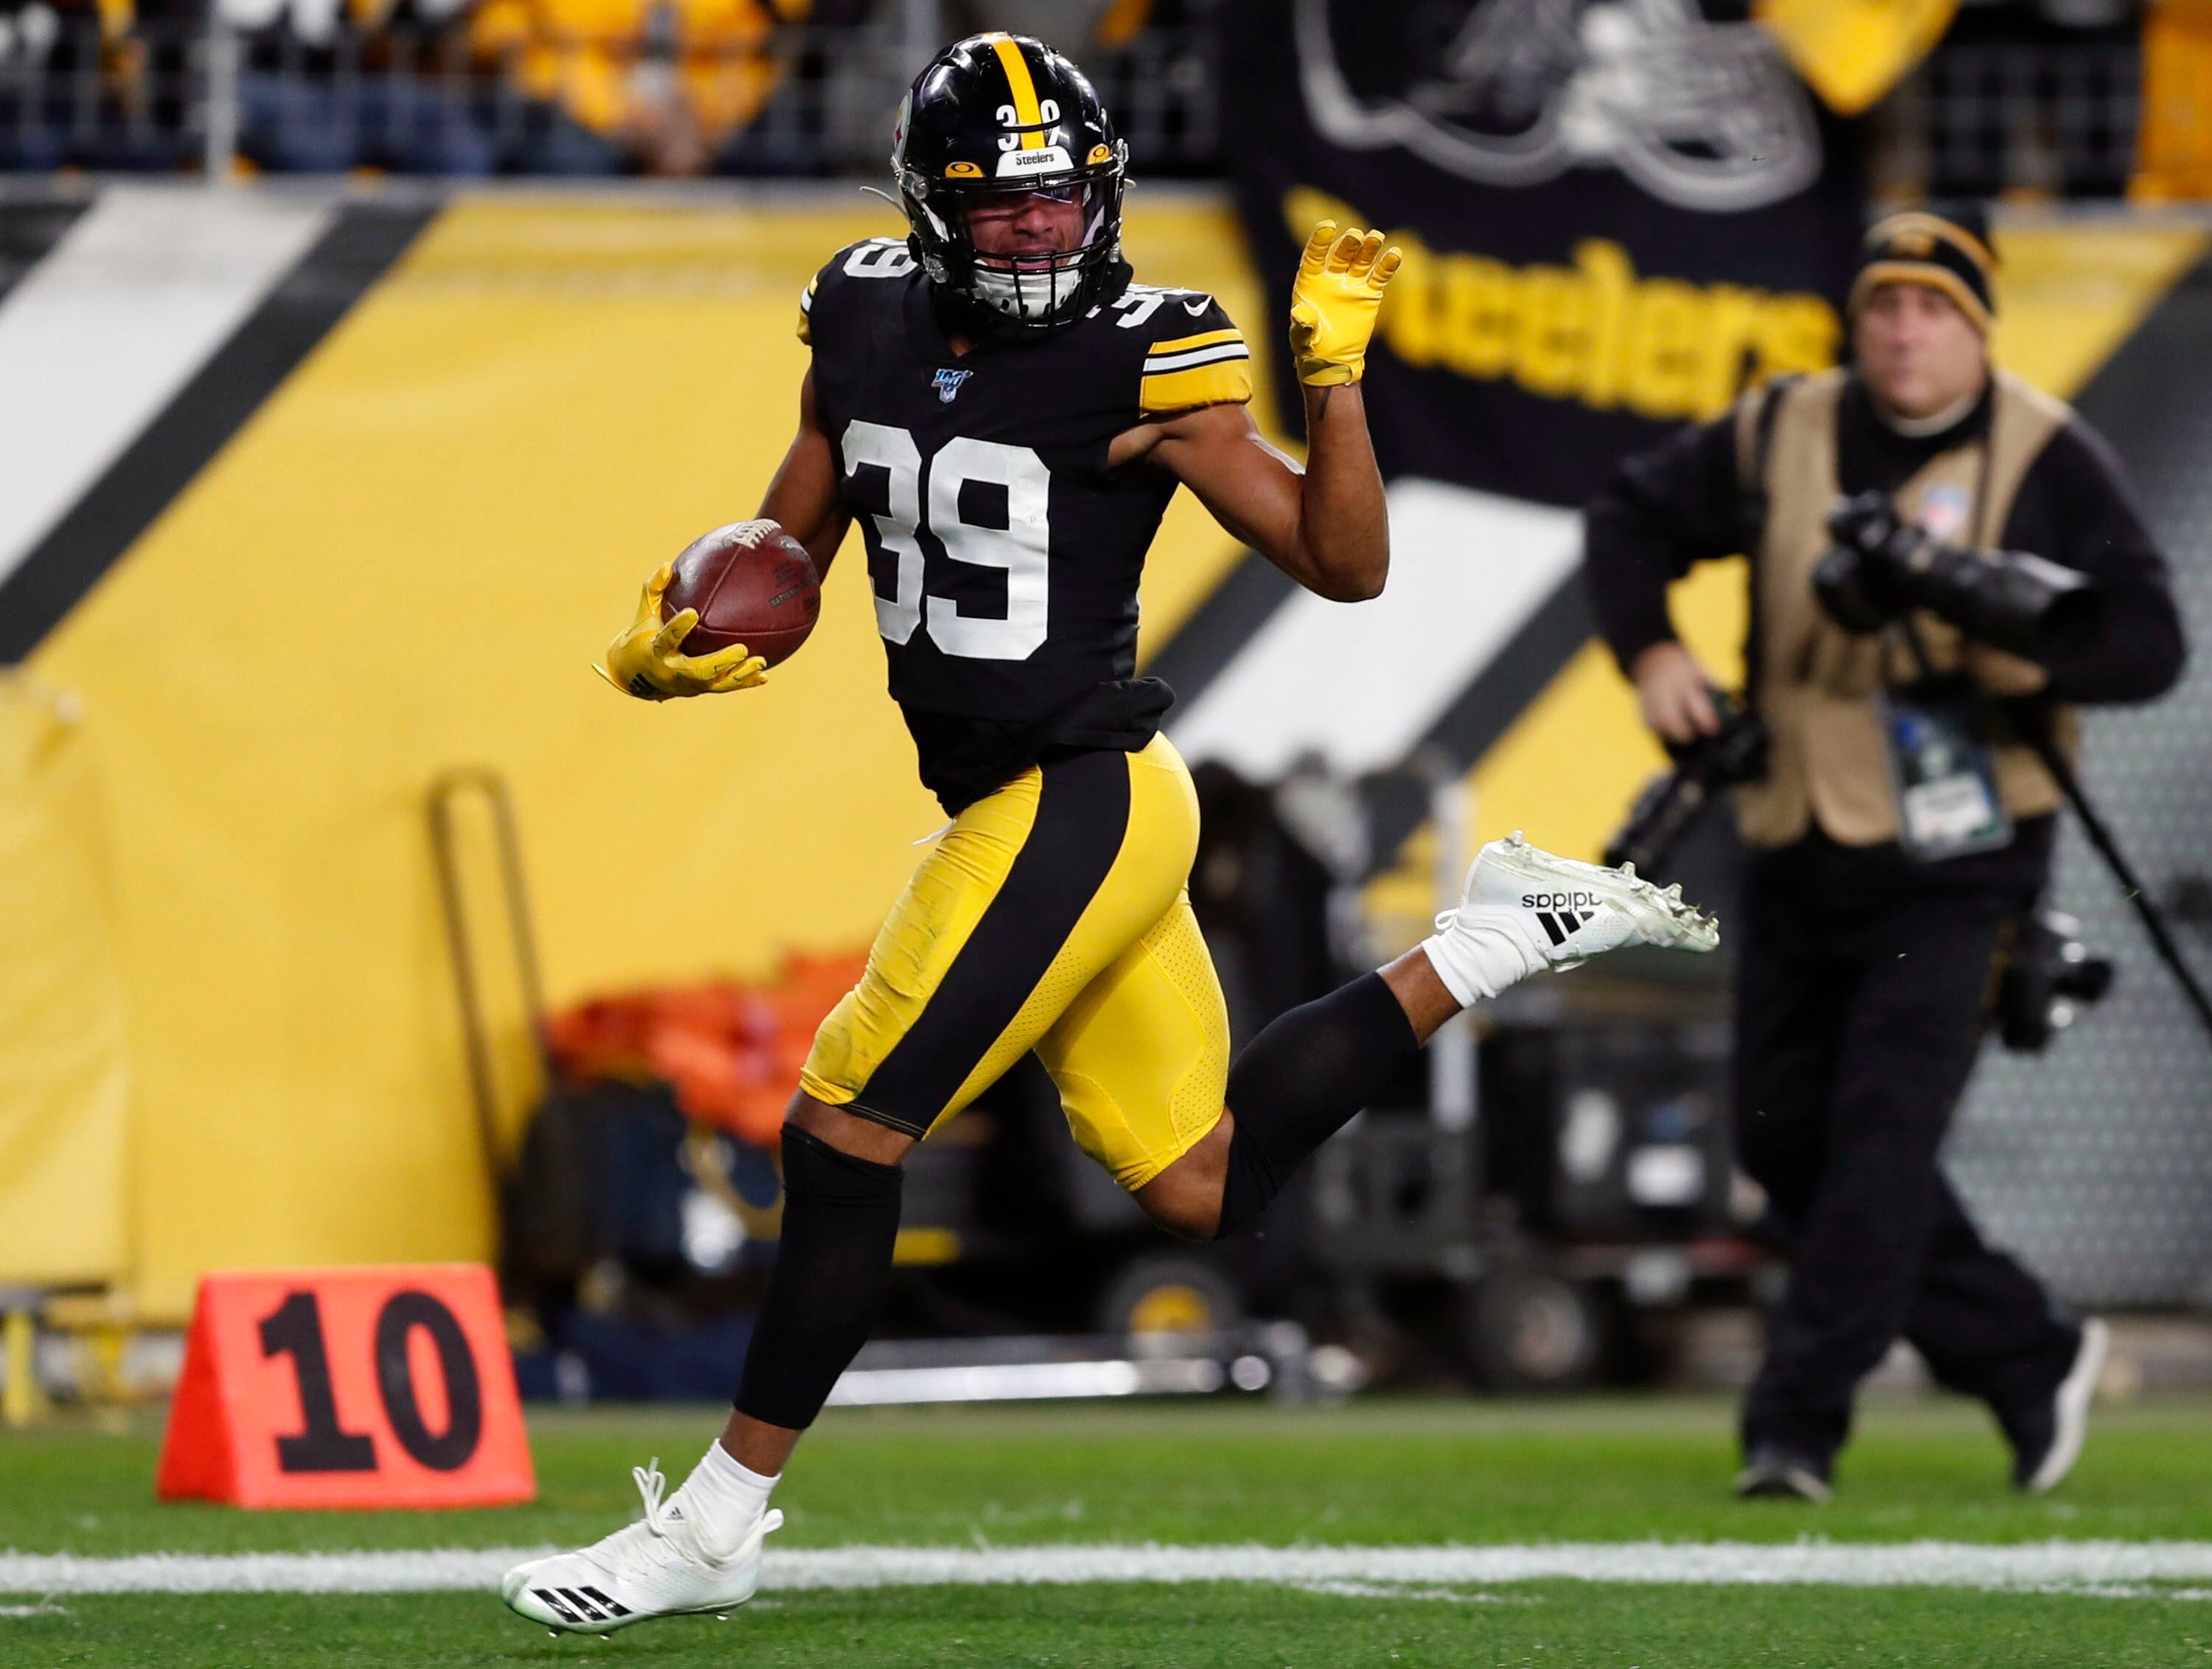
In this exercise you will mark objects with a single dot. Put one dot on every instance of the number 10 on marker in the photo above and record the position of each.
(347, 1387)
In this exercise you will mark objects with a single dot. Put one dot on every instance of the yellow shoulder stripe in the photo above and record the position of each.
(1203, 339)
(1224, 382)
(1028, 114)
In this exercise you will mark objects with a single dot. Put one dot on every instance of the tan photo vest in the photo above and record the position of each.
(1816, 683)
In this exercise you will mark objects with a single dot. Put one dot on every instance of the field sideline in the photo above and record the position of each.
(1390, 1532)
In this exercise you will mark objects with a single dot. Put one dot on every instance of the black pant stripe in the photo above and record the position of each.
(1082, 815)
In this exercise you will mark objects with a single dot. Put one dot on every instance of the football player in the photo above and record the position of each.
(1006, 414)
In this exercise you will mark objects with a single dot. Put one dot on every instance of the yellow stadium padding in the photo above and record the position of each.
(64, 1061)
(406, 562)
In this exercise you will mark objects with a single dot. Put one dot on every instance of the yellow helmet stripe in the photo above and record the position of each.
(1028, 114)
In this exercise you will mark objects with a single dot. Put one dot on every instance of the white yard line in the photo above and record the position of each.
(2096, 1568)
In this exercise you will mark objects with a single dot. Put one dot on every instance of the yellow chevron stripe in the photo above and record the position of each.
(1027, 113)
(1203, 339)
(2071, 297)
(1225, 381)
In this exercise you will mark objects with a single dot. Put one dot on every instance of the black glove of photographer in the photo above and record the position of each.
(1881, 567)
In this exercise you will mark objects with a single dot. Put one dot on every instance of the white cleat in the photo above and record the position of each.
(1562, 913)
(654, 1568)
(2067, 1417)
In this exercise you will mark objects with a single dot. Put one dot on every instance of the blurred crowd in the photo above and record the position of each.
(475, 87)
(2072, 98)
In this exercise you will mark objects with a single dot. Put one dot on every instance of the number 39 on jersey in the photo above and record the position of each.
(1020, 547)
(1003, 554)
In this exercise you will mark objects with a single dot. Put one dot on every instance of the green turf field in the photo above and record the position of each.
(1378, 1474)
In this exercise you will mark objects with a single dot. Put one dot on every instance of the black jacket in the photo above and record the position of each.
(1681, 503)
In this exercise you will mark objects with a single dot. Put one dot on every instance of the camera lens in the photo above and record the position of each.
(2081, 975)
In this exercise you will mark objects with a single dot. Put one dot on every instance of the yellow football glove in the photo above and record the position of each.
(644, 661)
(1334, 301)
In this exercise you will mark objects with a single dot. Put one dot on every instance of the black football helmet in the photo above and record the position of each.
(995, 119)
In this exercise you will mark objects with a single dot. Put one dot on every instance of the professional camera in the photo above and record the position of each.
(2049, 977)
(1881, 569)
(1671, 801)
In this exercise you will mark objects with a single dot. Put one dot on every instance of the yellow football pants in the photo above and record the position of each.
(1052, 916)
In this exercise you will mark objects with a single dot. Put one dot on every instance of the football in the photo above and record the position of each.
(753, 584)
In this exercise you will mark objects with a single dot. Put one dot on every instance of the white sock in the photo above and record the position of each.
(721, 1499)
(1477, 959)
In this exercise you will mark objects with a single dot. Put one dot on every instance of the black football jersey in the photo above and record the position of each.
(1003, 554)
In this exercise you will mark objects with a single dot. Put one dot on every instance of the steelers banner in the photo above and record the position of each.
(1613, 215)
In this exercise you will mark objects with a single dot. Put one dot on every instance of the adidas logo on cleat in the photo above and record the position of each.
(648, 1569)
(580, 1605)
(1558, 924)
(1562, 912)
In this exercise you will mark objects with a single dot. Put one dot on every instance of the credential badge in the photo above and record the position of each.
(1944, 511)
(948, 384)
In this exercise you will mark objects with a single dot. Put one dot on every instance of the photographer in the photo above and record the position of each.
(1942, 559)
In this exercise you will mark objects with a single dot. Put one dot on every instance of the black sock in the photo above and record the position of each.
(1301, 1080)
(841, 1218)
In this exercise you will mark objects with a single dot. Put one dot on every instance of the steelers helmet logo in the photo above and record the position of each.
(996, 118)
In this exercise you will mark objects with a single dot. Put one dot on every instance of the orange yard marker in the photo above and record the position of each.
(374, 1387)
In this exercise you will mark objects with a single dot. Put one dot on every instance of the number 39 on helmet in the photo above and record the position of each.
(995, 119)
